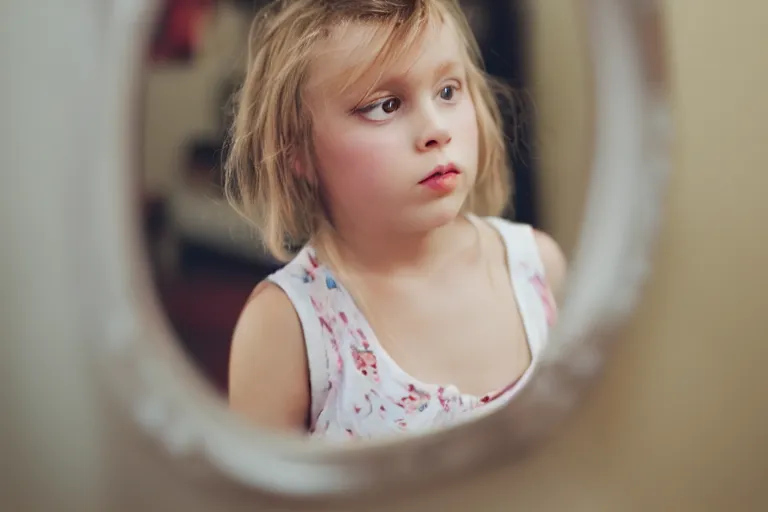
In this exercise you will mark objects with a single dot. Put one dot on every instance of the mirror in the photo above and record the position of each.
(177, 297)
(207, 259)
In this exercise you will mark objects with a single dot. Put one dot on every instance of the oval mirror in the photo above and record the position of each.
(493, 329)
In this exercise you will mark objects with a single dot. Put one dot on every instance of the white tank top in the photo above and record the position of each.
(357, 389)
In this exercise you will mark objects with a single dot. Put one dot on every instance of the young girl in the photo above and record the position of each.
(368, 136)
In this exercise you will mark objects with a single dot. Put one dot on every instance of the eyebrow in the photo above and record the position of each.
(442, 69)
(387, 81)
(445, 67)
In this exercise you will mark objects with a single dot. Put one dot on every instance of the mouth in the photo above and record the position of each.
(439, 172)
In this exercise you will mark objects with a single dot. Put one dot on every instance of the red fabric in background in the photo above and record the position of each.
(180, 30)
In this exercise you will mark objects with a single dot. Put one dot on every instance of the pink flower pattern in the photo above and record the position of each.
(546, 297)
(367, 395)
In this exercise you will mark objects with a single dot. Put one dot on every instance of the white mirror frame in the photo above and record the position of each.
(172, 404)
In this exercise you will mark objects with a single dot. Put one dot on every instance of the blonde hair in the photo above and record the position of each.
(272, 128)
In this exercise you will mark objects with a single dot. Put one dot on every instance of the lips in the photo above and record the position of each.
(440, 171)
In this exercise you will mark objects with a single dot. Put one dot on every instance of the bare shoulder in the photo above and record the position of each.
(553, 259)
(268, 374)
(555, 265)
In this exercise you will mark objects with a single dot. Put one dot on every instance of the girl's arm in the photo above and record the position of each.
(554, 262)
(268, 374)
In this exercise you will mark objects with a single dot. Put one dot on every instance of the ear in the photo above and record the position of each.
(303, 170)
(299, 168)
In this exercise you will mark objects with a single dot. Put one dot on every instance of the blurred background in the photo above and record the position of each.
(204, 257)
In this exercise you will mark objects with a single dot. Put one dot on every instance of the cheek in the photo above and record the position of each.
(358, 155)
(466, 117)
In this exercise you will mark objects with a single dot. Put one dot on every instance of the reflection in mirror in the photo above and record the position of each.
(393, 275)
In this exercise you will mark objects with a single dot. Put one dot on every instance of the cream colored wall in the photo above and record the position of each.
(183, 100)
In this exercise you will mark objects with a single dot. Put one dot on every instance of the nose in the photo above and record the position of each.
(434, 134)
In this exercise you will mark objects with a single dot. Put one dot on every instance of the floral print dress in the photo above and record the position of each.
(357, 390)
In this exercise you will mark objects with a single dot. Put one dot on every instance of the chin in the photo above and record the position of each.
(437, 214)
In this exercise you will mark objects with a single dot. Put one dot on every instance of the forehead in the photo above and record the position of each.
(357, 56)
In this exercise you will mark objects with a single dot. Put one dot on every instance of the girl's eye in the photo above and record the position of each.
(381, 110)
(447, 92)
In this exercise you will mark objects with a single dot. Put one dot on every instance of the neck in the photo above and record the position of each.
(387, 252)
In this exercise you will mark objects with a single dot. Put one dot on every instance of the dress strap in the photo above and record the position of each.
(528, 275)
(296, 280)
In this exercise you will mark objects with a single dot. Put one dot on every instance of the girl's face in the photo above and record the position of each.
(375, 157)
